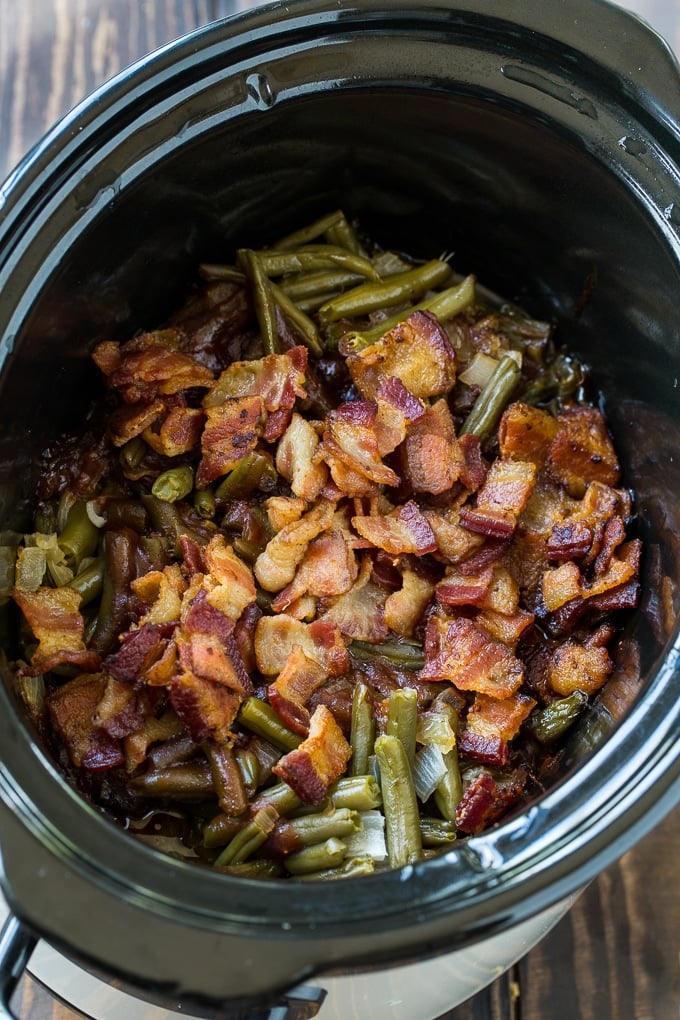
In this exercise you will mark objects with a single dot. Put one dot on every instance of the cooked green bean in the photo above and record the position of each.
(317, 857)
(79, 537)
(265, 308)
(493, 399)
(204, 503)
(132, 453)
(214, 271)
(250, 838)
(310, 232)
(343, 234)
(450, 790)
(280, 796)
(400, 805)
(220, 830)
(362, 733)
(360, 793)
(444, 305)
(89, 582)
(313, 257)
(437, 831)
(249, 765)
(306, 329)
(402, 719)
(260, 718)
(254, 471)
(549, 723)
(173, 484)
(311, 285)
(227, 778)
(352, 867)
(263, 868)
(318, 827)
(407, 654)
(371, 297)
(181, 782)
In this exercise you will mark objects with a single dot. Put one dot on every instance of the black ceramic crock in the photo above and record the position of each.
(540, 144)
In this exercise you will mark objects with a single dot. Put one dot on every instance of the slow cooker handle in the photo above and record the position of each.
(17, 943)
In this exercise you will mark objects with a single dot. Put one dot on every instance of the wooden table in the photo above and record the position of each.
(615, 955)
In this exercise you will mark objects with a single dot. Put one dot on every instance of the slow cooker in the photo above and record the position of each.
(540, 145)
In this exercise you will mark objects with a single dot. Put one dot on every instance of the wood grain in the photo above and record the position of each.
(615, 955)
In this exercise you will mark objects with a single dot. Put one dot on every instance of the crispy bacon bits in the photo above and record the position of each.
(353, 552)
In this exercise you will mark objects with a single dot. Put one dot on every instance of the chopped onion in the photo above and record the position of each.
(32, 692)
(370, 839)
(435, 728)
(429, 768)
(92, 513)
(30, 568)
(479, 371)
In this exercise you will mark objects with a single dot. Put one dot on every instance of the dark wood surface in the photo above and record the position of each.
(615, 955)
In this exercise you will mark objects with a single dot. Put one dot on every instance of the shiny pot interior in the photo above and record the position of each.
(537, 143)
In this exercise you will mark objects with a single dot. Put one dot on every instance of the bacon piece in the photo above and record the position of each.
(291, 690)
(484, 748)
(206, 657)
(283, 510)
(192, 555)
(152, 731)
(525, 433)
(200, 617)
(350, 437)
(207, 709)
(464, 589)
(417, 352)
(503, 593)
(404, 608)
(278, 378)
(582, 451)
(139, 650)
(144, 374)
(329, 568)
(505, 627)
(491, 717)
(121, 710)
(72, 709)
(405, 530)
(162, 591)
(276, 566)
(569, 541)
(473, 470)
(454, 542)
(107, 356)
(578, 667)
(319, 760)
(131, 420)
(485, 799)
(431, 456)
(360, 613)
(613, 534)
(53, 616)
(488, 553)
(473, 661)
(501, 499)
(178, 433)
(244, 636)
(295, 459)
(228, 580)
(275, 637)
(231, 431)
(565, 583)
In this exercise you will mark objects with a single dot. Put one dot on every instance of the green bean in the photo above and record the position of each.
(407, 654)
(204, 503)
(250, 838)
(260, 718)
(311, 285)
(493, 399)
(370, 297)
(400, 806)
(248, 551)
(213, 271)
(313, 257)
(362, 733)
(310, 232)
(444, 305)
(437, 831)
(280, 796)
(190, 781)
(227, 779)
(402, 719)
(352, 867)
(265, 308)
(343, 234)
(254, 471)
(263, 868)
(450, 790)
(317, 857)
(132, 453)
(360, 793)
(173, 484)
(249, 766)
(220, 830)
(79, 537)
(320, 826)
(303, 324)
(549, 723)
(89, 582)
(560, 379)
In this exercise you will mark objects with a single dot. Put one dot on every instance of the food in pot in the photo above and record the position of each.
(330, 570)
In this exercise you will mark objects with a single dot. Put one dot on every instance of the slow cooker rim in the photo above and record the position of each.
(20, 183)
